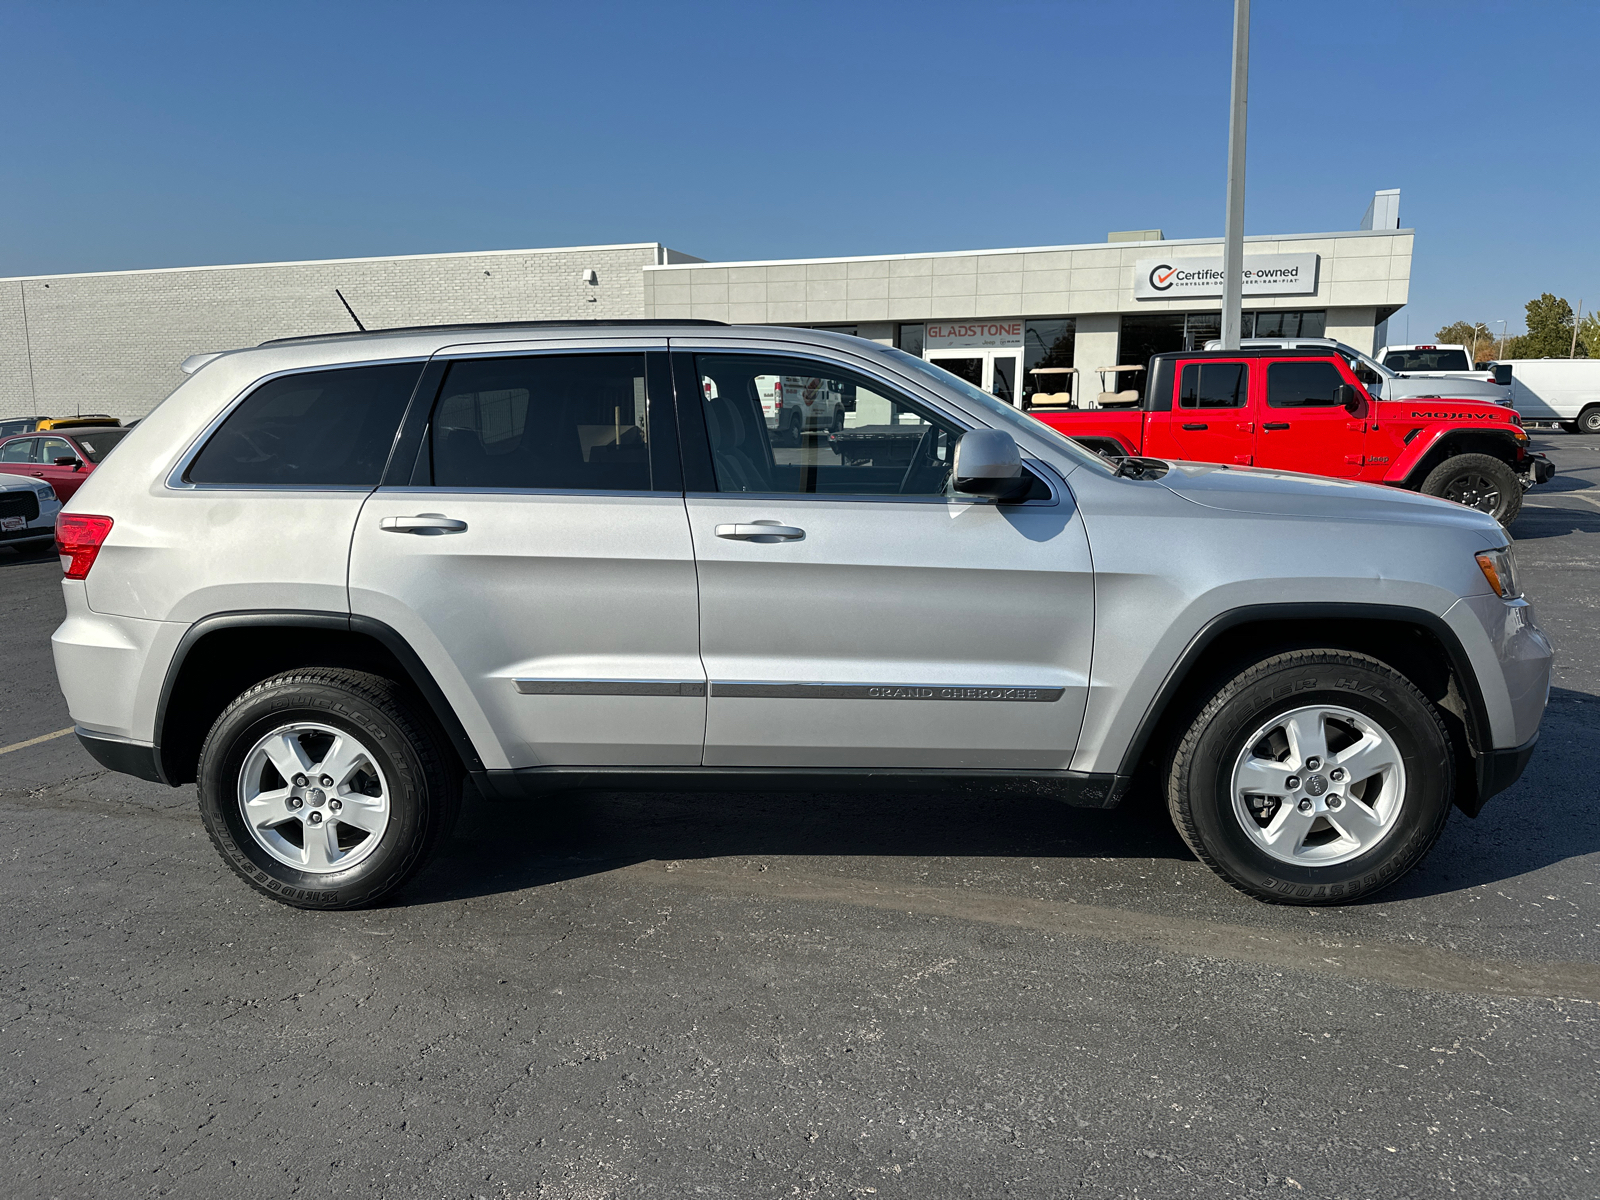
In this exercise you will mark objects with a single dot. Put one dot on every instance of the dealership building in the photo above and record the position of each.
(1014, 321)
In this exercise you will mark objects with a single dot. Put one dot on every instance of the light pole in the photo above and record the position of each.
(1233, 230)
(1502, 325)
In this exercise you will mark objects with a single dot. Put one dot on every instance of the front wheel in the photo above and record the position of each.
(326, 788)
(1479, 481)
(1315, 777)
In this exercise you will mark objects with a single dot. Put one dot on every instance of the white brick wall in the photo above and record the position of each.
(112, 342)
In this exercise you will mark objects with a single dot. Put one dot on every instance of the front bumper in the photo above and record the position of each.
(1537, 469)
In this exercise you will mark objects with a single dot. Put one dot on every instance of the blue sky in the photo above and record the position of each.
(141, 135)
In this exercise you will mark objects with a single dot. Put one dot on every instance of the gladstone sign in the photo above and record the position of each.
(1264, 275)
(942, 335)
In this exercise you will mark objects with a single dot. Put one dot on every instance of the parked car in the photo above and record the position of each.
(82, 421)
(1305, 410)
(1388, 384)
(28, 512)
(327, 578)
(1556, 389)
(63, 458)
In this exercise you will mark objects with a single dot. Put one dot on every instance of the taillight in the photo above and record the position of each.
(79, 538)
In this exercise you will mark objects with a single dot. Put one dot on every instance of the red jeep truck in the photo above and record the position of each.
(1304, 410)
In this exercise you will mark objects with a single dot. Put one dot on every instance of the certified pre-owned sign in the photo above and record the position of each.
(1264, 275)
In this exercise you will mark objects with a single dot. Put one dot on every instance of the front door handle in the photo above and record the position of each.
(1196, 425)
(422, 523)
(760, 531)
(1275, 425)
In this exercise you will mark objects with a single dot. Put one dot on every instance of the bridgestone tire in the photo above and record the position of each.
(423, 782)
(1589, 420)
(1200, 781)
(1482, 466)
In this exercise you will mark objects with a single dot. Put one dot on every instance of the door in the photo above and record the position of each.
(854, 613)
(539, 562)
(997, 372)
(1211, 421)
(1301, 424)
(64, 479)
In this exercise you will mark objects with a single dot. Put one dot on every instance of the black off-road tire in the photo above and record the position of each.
(1199, 795)
(1451, 473)
(1589, 420)
(423, 774)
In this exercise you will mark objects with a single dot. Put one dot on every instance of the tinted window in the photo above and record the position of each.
(317, 429)
(1427, 360)
(98, 445)
(19, 451)
(783, 425)
(1214, 385)
(1302, 384)
(565, 421)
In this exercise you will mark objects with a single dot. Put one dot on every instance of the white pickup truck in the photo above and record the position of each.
(1440, 360)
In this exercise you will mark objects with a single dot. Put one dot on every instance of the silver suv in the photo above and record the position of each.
(329, 578)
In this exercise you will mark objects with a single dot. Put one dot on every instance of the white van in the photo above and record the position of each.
(1556, 389)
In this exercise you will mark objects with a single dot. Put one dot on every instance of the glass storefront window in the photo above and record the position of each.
(909, 338)
(1285, 324)
(1145, 334)
(1049, 343)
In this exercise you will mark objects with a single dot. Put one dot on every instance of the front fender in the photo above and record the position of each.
(1437, 442)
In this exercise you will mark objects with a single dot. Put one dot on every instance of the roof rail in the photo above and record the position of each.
(624, 322)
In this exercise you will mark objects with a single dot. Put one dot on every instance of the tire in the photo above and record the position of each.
(1479, 481)
(1360, 834)
(341, 846)
(791, 435)
(1589, 419)
(837, 424)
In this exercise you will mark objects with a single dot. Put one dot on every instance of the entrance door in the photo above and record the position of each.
(998, 372)
(856, 614)
(539, 562)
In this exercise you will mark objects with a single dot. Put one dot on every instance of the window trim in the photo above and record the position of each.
(176, 482)
(695, 435)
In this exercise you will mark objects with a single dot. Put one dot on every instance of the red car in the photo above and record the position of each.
(62, 457)
(1305, 410)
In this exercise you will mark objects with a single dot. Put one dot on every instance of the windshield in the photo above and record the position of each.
(98, 444)
(1427, 360)
(1002, 412)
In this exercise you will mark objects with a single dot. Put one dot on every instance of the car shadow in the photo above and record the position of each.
(1547, 522)
(22, 556)
(501, 846)
(504, 846)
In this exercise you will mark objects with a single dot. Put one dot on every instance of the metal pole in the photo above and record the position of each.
(1502, 325)
(1233, 231)
(1578, 317)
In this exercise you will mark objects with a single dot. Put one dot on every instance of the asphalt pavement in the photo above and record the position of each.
(814, 995)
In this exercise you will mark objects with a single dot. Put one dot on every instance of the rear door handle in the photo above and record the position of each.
(422, 523)
(760, 531)
(1196, 425)
(1276, 425)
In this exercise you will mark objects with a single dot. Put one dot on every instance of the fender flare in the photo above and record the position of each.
(410, 662)
(1477, 722)
(1424, 444)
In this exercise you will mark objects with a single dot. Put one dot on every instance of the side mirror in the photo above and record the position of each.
(69, 460)
(1347, 395)
(989, 464)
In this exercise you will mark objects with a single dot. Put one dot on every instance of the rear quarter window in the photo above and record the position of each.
(314, 429)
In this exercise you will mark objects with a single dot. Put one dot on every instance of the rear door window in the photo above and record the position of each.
(315, 429)
(1302, 385)
(565, 422)
(1214, 385)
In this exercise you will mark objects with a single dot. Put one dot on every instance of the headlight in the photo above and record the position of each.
(1499, 567)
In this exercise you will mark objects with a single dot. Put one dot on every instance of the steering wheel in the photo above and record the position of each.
(924, 449)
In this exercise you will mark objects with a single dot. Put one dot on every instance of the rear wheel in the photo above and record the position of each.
(1314, 777)
(1589, 419)
(1479, 481)
(326, 788)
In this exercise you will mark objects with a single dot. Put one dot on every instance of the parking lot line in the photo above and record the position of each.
(43, 737)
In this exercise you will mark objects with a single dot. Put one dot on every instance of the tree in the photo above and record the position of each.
(1549, 329)
(1474, 335)
(1589, 335)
